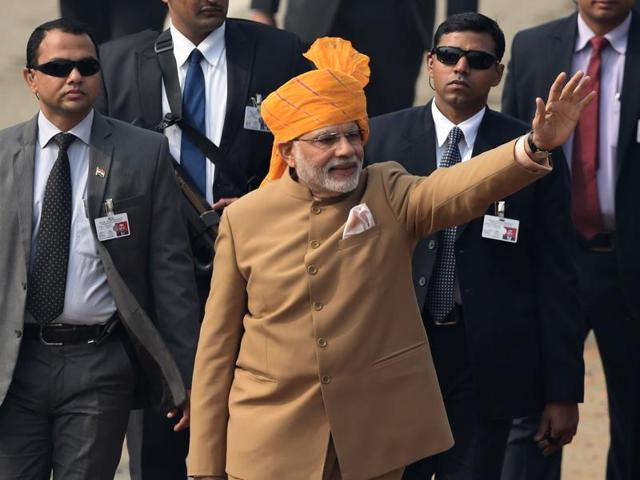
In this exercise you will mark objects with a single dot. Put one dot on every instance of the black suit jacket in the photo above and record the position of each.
(537, 56)
(259, 60)
(519, 300)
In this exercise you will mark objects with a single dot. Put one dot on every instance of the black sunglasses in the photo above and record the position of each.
(477, 59)
(62, 68)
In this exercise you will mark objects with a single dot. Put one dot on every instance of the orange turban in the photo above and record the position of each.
(331, 95)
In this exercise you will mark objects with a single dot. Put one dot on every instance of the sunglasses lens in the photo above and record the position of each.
(480, 60)
(448, 55)
(88, 67)
(58, 68)
(62, 68)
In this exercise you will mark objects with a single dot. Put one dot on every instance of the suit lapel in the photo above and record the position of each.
(100, 160)
(240, 54)
(23, 171)
(421, 154)
(561, 45)
(149, 88)
(630, 101)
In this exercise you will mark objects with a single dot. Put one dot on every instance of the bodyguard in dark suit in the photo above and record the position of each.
(608, 253)
(511, 341)
(394, 34)
(98, 294)
(240, 62)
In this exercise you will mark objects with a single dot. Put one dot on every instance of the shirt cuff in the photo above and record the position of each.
(526, 162)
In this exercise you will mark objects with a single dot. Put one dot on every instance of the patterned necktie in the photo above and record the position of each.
(584, 162)
(440, 296)
(48, 280)
(193, 111)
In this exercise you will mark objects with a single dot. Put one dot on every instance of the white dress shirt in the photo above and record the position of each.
(214, 68)
(469, 129)
(87, 299)
(611, 76)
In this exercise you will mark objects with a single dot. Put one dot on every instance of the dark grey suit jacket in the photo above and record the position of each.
(150, 272)
(520, 304)
(537, 56)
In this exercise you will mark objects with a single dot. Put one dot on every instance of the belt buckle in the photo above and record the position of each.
(41, 335)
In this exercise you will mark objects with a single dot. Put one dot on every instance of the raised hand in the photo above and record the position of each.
(554, 122)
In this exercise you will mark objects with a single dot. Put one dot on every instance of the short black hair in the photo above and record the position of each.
(66, 25)
(474, 22)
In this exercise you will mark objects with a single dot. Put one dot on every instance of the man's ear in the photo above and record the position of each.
(499, 73)
(430, 64)
(29, 79)
(286, 151)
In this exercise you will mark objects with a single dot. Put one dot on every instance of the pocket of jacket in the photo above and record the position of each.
(367, 235)
(398, 354)
(120, 206)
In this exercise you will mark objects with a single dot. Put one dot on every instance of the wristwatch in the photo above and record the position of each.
(537, 153)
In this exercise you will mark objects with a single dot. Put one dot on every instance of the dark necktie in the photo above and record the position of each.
(584, 163)
(440, 296)
(48, 279)
(193, 111)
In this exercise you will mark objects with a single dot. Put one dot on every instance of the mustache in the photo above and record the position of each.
(342, 162)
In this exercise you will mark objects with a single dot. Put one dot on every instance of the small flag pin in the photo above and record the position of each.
(100, 172)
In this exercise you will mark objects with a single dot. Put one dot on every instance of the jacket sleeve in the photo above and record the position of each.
(458, 194)
(220, 337)
(171, 269)
(556, 279)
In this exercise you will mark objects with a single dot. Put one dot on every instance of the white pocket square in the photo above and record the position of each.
(360, 220)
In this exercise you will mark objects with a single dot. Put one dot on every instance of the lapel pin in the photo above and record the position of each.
(100, 172)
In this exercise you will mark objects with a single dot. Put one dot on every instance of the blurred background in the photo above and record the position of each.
(585, 458)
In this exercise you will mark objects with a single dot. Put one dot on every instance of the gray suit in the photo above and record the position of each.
(150, 272)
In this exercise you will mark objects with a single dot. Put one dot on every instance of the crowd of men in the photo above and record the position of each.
(210, 247)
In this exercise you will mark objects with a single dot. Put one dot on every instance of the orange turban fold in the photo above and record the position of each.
(330, 95)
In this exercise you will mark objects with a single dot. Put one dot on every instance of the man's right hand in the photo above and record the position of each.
(263, 17)
(554, 122)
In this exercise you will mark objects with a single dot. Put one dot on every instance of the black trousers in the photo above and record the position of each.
(155, 450)
(66, 411)
(617, 334)
(111, 19)
(479, 441)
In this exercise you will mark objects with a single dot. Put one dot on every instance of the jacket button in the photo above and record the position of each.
(314, 243)
(18, 333)
(432, 244)
(322, 343)
(317, 306)
(316, 209)
(422, 281)
(326, 379)
(312, 269)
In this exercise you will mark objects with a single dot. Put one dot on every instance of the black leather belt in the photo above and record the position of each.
(58, 334)
(455, 317)
(602, 242)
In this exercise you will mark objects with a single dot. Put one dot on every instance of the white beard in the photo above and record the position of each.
(318, 179)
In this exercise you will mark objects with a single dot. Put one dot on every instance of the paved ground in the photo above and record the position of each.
(584, 459)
